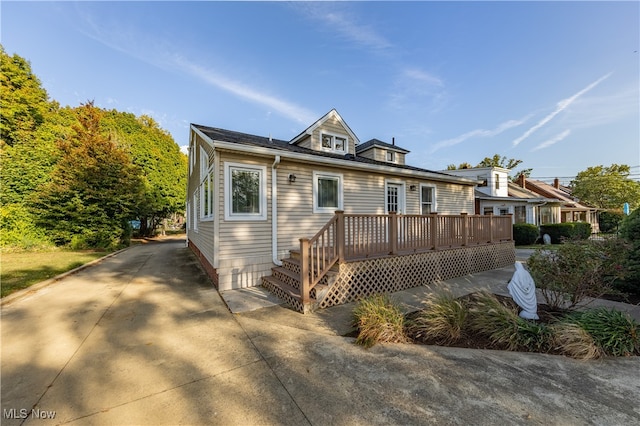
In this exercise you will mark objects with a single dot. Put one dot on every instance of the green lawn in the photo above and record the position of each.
(21, 270)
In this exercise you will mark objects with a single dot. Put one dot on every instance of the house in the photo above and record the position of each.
(254, 202)
(496, 195)
(571, 210)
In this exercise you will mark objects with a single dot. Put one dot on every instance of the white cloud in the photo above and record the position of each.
(343, 24)
(552, 141)
(245, 91)
(502, 127)
(561, 106)
(160, 54)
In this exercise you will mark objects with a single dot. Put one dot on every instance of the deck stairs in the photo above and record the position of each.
(284, 282)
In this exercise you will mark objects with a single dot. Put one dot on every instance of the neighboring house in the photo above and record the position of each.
(251, 199)
(496, 195)
(571, 210)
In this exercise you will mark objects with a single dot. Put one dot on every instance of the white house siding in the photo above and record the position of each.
(454, 199)
(201, 232)
(244, 246)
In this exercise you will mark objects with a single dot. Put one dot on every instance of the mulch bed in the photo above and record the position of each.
(478, 341)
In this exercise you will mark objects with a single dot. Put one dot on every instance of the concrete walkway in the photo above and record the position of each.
(143, 338)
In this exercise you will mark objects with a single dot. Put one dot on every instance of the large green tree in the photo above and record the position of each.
(94, 188)
(24, 104)
(163, 167)
(607, 187)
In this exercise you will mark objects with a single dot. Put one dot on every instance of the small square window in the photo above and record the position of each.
(391, 156)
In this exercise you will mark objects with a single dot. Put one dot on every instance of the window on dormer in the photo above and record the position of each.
(333, 143)
(391, 156)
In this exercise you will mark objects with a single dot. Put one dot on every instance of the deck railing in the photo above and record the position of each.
(349, 236)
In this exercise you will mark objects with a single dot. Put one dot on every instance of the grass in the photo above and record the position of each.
(379, 320)
(23, 269)
(442, 320)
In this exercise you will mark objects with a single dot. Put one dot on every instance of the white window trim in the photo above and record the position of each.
(333, 143)
(434, 194)
(391, 156)
(339, 177)
(403, 189)
(211, 178)
(228, 215)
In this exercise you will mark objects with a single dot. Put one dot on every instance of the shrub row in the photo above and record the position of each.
(527, 234)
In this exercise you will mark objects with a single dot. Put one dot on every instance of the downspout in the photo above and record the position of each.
(274, 211)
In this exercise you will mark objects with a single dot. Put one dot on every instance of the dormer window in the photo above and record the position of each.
(391, 156)
(334, 143)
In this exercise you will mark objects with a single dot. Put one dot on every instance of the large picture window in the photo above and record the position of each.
(245, 192)
(327, 192)
(428, 199)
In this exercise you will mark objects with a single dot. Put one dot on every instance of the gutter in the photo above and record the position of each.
(274, 211)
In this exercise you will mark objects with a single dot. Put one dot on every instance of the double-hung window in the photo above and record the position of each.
(428, 199)
(245, 192)
(206, 195)
(334, 143)
(327, 192)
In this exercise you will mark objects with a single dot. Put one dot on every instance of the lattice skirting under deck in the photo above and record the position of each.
(390, 274)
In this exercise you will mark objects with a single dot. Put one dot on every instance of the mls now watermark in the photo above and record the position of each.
(23, 413)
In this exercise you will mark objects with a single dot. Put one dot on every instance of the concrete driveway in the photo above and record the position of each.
(143, 338)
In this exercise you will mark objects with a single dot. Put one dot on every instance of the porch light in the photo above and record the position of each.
(292, 178)
(413, 188)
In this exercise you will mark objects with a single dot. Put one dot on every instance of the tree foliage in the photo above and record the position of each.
(495, 161)
(24, 103)
(71, 173)
(606, 187)
(94, 188)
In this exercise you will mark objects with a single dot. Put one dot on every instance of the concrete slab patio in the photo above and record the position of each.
(143, 338)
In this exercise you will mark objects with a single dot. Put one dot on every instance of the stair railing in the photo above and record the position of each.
(319, 253)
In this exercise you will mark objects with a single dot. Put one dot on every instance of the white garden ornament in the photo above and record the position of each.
(522, 289)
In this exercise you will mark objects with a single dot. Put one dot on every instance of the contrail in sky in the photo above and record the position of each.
(562, 105)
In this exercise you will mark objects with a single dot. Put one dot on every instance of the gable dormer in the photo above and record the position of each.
(381, 151)
(329, 134)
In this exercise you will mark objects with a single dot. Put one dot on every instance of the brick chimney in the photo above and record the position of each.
(556, 183)
(522, 181)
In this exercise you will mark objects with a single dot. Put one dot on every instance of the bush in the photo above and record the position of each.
(559, 232)
(630, 231)
(573, 272)
(613, 331)
(17, 230)
(608, 221)
(525, 234)
(378, 320)
(441, 321)
(501, 324)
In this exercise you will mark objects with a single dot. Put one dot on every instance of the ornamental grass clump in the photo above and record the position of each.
(572, 340)
(614, 332)
(379, 320)
(442, 321)
(502, 325)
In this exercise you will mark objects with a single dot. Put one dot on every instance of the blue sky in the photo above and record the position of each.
(555, 84)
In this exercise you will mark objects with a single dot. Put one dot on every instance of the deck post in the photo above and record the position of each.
(434, 230)
(304, 270)
(393, 233)
(340, 236)
(491, 227)
(465, 230)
